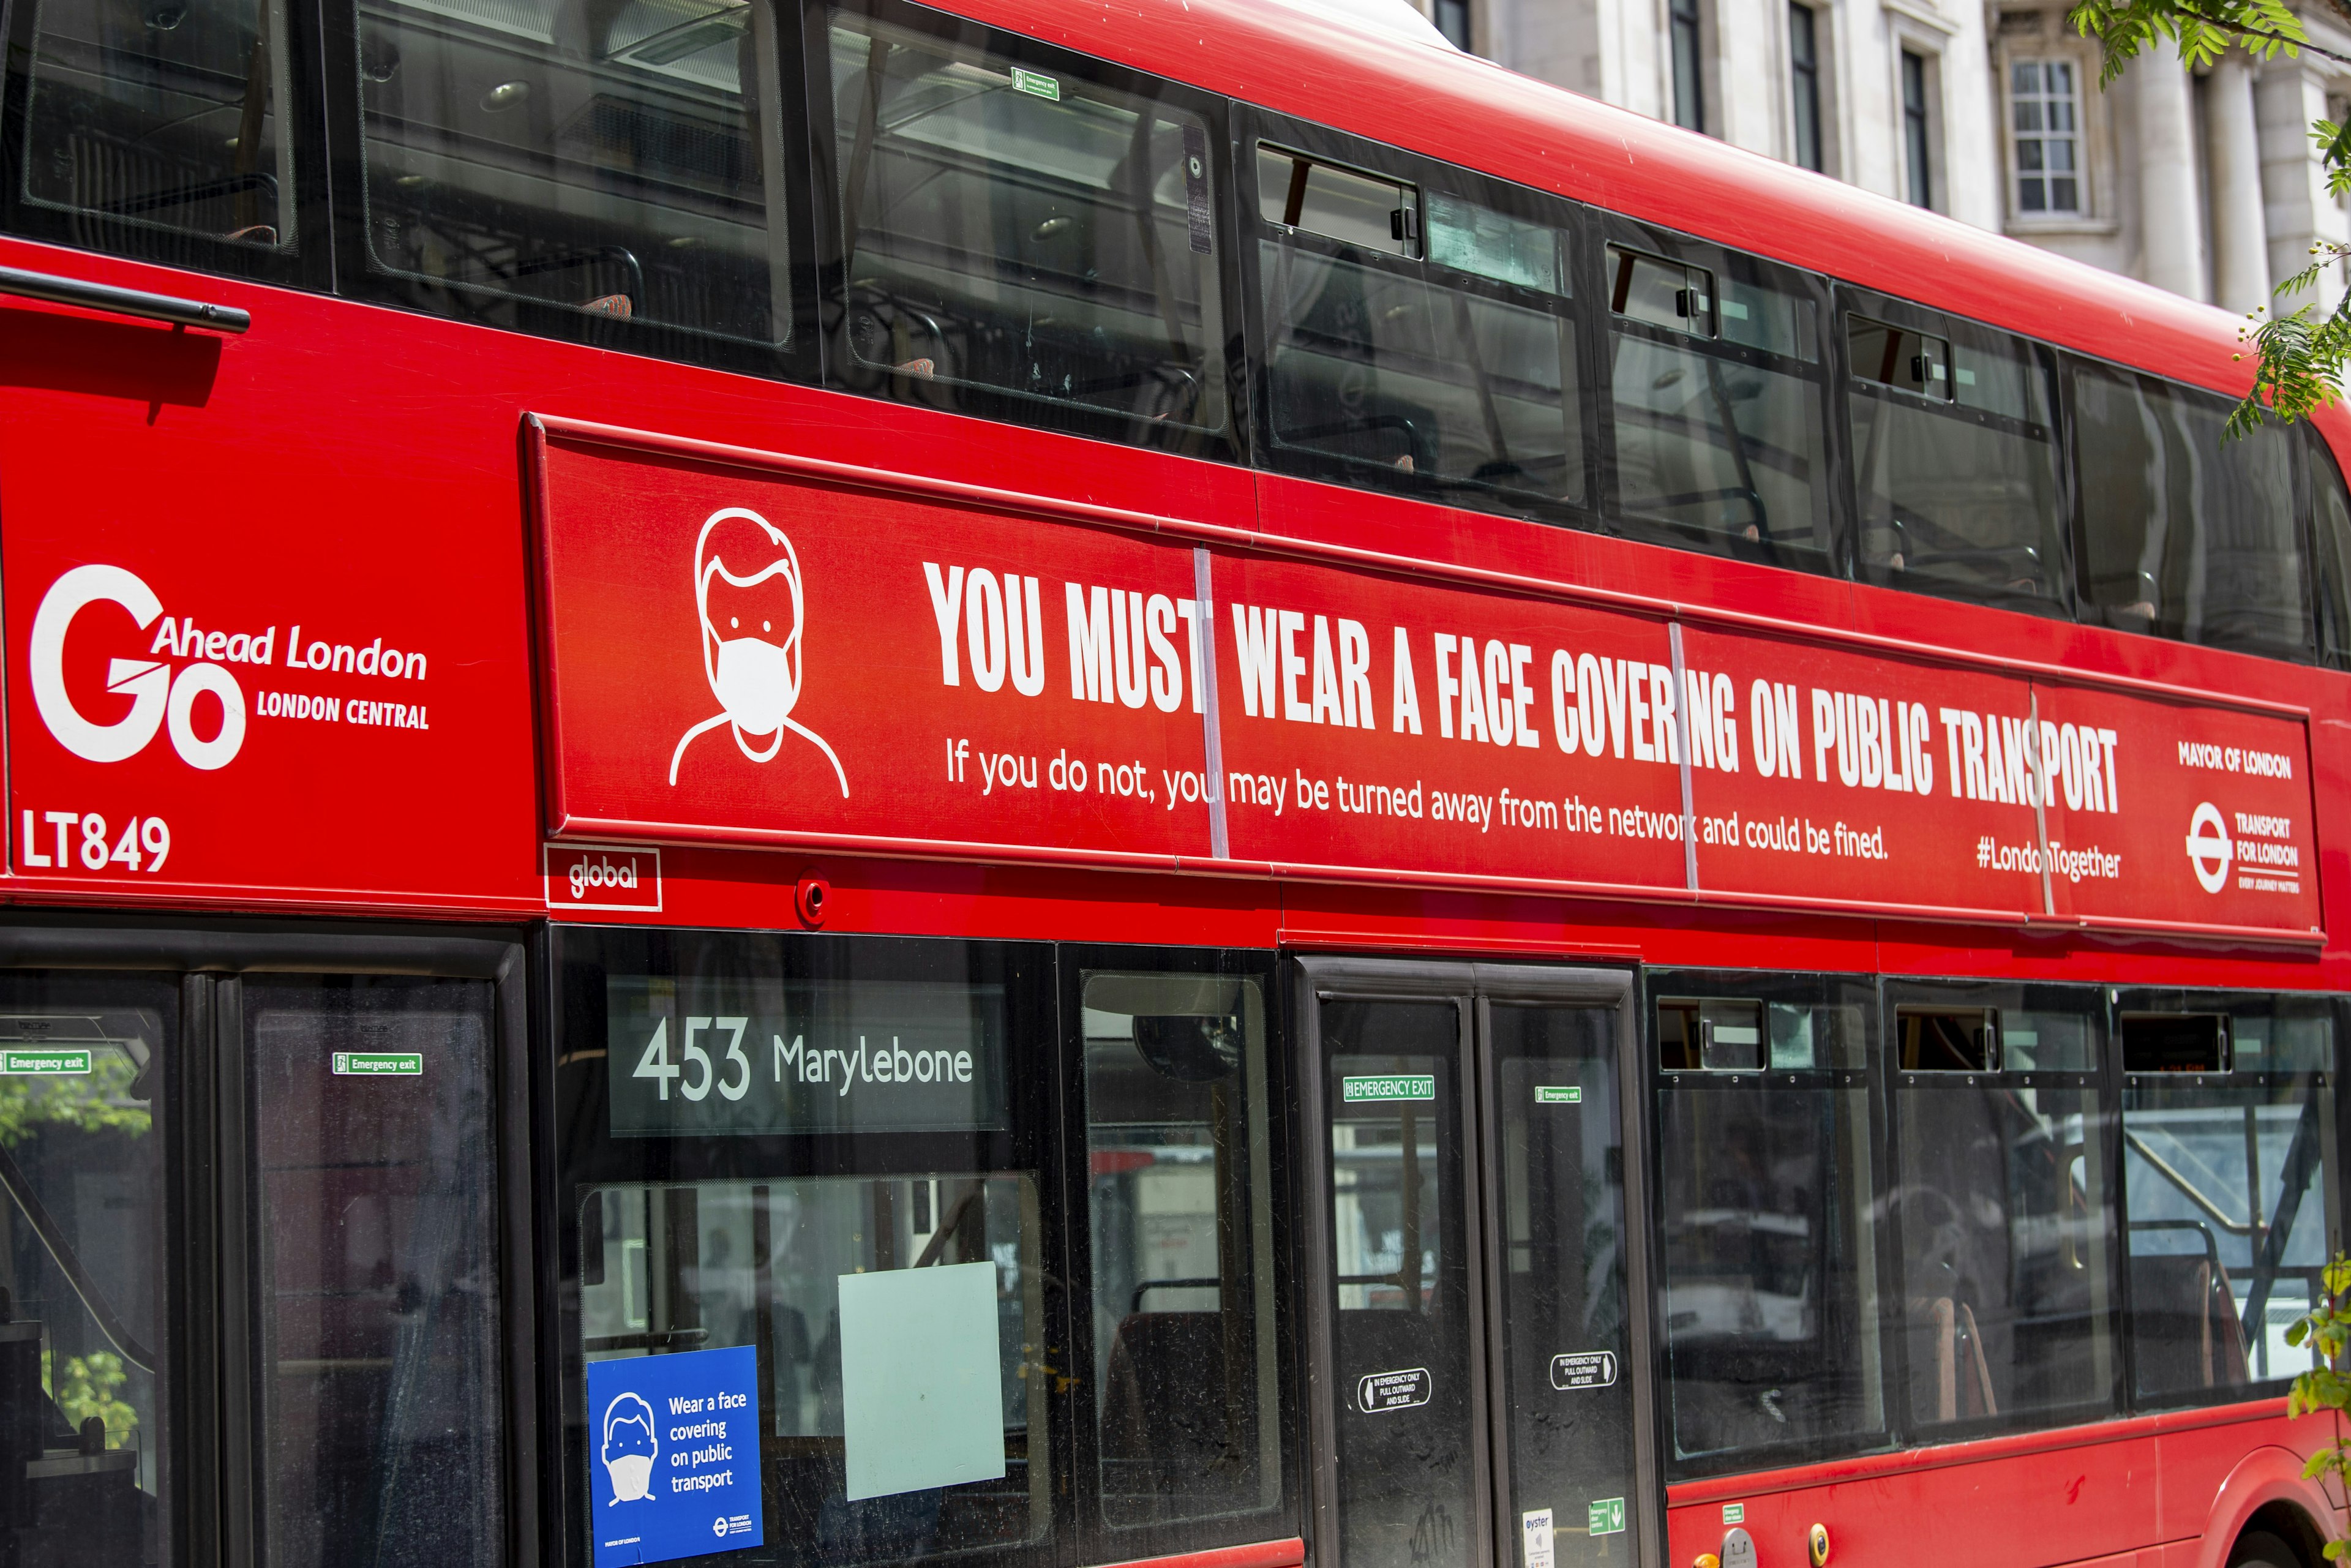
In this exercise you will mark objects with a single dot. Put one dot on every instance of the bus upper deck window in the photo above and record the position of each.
(609, 171)
(1722, 401)
(2175, 1042)
(2185, 531)
(1025, 239)
(150, 125)
(2330, 529)
(1421, 334)
(1949, 1039)
(1956, 460)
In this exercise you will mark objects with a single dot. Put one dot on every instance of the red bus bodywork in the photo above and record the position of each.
(368, 475)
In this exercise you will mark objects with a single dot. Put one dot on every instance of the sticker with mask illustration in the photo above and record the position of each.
(673, 1445)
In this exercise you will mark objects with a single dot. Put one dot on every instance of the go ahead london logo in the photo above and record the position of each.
(160, 699)
(164, 695)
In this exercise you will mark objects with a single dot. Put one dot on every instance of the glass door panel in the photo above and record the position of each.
(1563, 1347)
(1402, 1335)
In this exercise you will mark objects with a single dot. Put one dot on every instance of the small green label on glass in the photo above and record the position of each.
(43, 1064)
(1606, 1516)
(379, 1064)
(1392, 1086)
(1559, 1095)
(1036, 86)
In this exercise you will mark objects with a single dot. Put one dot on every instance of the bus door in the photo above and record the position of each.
(1479, 1397)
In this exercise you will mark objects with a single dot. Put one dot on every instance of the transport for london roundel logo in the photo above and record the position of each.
(2208, 849)
(747, 597)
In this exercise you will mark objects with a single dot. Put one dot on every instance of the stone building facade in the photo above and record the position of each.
(2206, 183)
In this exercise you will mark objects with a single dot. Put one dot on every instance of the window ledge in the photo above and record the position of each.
(1924, 13)
(2028, 228)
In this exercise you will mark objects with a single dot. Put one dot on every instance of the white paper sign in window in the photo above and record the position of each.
(921, 1386)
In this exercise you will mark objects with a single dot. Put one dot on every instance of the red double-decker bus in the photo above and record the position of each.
(1081, 783)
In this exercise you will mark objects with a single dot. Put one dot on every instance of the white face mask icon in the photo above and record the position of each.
(752, 661)
(757, 683)
(628, 1448)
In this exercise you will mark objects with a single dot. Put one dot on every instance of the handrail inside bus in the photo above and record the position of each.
(2189, 1188)
(69, 1262)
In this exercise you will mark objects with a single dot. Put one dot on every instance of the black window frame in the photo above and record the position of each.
(1893, 310)
(357, 276)
(2103, 1079)
(1660, 984)
(820, 206)
(1095, 1539)
(2124, 999)
(1824, 371)
(309, 263)
(1576, 225)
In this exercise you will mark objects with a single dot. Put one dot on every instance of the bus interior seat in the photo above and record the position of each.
(1167, 1426)
(1963, 1386)
(2185, 1332)
(65, 1497)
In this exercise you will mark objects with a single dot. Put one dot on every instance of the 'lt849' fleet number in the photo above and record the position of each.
(84, 837)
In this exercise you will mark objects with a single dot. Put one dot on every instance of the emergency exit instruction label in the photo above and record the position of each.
(379, 1064)
(39, 1063)
(1388, 1086)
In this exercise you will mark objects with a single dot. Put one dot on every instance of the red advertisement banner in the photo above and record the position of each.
(748, 652)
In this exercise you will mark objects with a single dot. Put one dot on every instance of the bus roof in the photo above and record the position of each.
(1317, 65)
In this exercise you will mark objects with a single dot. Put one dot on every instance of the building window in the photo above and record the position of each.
(1917, 150)
(2046, 121)
(1689, 85)
(1452, 21)
(1804, 82)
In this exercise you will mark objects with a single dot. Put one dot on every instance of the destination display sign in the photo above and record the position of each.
(749, 651)
(746, 1058)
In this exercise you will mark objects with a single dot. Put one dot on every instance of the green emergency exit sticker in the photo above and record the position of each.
(1036, 86)
(1605, 1516)
(1559, 1095)
(379, 1064)
(1388, 1086)
(43, 1064)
